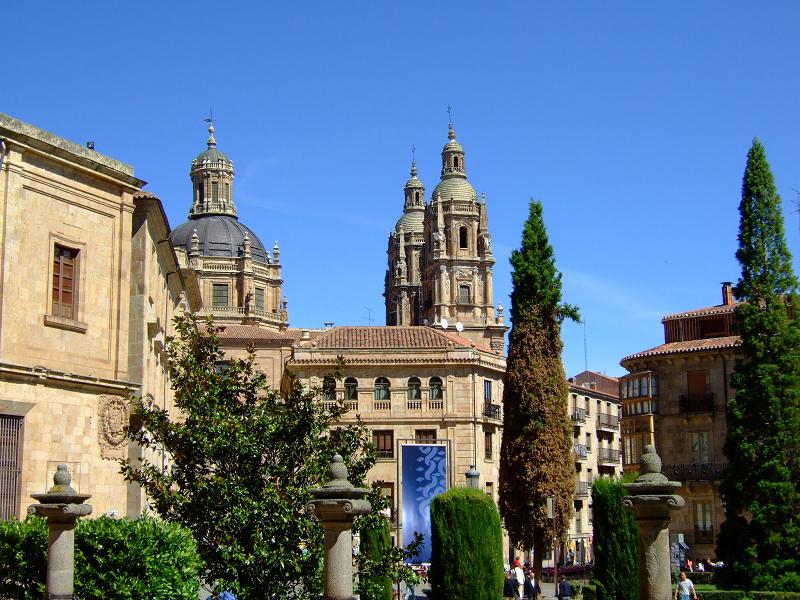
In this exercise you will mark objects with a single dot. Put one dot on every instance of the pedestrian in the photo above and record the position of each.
(509, 593)
(532, 589)
(685, 588)
(218, 594)
(519, 578)
(564, 590)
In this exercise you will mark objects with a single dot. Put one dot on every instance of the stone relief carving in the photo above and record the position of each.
(113, 418)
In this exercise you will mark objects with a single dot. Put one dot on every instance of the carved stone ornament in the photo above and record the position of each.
(113, 417)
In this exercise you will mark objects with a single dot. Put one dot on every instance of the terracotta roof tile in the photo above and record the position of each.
(700, 312)
(249, 332)
(388, 337)
(719, 343)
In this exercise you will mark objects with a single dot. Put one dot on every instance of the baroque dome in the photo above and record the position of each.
(456, 187)
(411, 221)
(219, 235)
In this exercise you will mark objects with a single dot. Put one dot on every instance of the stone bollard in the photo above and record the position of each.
(651, 500)
(61, 506)
(336, 504)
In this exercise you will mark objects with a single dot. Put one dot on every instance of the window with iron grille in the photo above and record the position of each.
(65, 282)
(488, 444)
(425, 435)
(487, 391)
(382, 389)
(350, 389)
(435, 386)
(384, 443)
(414, 388)
(463, 294)
(10, 465)
(259, 298)
(219, 297)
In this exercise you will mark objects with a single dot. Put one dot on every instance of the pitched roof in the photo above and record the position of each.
(604, 384)
(250, 332)
(719, 309)
(719, 343)
(391, 337)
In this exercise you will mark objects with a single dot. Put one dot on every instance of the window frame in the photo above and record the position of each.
(214, 288)
(383, 435)
(57, 305)
(414, 389)
(383, 389)
(350, 388)
(436, 383)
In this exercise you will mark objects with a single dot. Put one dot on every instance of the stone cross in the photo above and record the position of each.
(651, 499)
(336, 504)
(61, 506)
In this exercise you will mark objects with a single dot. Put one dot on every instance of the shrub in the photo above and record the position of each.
(697, 577)
(142, 558)
(466, 546)
(374, 543)
(616, 543)
(773, 595)
(723, 595)
(589, 592)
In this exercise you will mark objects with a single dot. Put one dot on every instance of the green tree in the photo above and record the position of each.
(536, 458)
(375, 541)
(760, 540)
(466, 546)
(242, 459)
(616, 542)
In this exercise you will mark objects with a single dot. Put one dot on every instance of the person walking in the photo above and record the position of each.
(519, 578)
(509, 591)
(532, 589)
(564, 591)
(685, 588)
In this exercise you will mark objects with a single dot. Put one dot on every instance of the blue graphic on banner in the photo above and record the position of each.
(424, 477)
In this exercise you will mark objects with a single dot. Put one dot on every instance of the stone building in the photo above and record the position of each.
(594, 411)
(675, 397)
(88, 287)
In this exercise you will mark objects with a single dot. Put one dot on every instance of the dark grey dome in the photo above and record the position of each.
(219, 235)
(211, 154)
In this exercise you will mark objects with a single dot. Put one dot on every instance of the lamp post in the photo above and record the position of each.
(551, 501)
(473, 477)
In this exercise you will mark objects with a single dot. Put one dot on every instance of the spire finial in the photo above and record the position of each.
(451, 134)
(210, 120)
(413, 161)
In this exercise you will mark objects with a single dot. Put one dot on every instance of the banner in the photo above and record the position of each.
(424, 476)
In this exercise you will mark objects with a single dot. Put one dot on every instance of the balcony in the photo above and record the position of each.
(703, 535)
(694, 472)
(607, 421)
(608, 456)
(581, 451)
(582, 489)
(696, 403)
(491, 411)
(579, 415)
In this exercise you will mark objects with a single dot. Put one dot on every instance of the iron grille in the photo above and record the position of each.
(10, 468)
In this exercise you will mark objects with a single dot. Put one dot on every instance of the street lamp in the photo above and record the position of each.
(473, 477)
(551, 501)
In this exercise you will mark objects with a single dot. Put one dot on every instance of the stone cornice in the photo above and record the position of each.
(43, 375)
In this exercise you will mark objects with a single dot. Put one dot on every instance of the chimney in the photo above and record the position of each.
(305, 334)
(727, 294)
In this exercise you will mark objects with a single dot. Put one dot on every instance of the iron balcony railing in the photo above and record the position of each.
(491, 411)
(607, 421)
(704, 535)
(608, 456)
(696, 403)
(582, 488)
(581, 451)
(694, 472)
(579, 415)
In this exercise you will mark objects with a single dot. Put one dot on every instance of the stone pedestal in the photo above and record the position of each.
(651, 500)
(61, 506)
(336, 504)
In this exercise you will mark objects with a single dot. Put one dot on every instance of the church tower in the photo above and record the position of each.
(403, 285)
(240, 281)
(457, 260)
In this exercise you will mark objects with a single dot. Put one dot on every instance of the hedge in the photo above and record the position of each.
(589, 592)
(697, 577)
(114, 559)
(773, 595)
(466, 546)
(374, 542)
(723, 595)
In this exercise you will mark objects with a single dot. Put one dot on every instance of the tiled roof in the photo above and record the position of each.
(604, 384)
(389, 337)
(690, 346)
(701, 312)
(249, 332)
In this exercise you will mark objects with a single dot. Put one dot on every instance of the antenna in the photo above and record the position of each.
(369, 318)
(444, 323)
(585, 350)
(797, 201)
(210, 118)
(459, 326)
(449, 115)
(413, 153)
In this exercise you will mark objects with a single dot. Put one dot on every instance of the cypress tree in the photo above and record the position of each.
(536, 459)
(760, 539)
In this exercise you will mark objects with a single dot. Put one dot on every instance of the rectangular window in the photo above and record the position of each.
(387, 491)
(259, 298)
(490, 488)
(487, 391)
(463, 294)
(588, 441)
(214, 192)
(698, 442)
(219, 296)
(65, 282)
(703, 516)
(384, 443)
(227, 192)
(10, 465)
(425, 435)
(488, 444)
(696, 382)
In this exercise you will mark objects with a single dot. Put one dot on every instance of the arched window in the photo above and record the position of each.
(435, 385)
(463, 238)
(416, 196)
(455, 162)
(350, 389)
(382, 389)
(414, 388)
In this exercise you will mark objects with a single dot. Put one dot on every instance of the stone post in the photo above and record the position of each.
(651, 499)
(336, 504)
(61, 506)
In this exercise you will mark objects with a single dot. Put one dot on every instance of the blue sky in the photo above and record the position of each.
(629, 120)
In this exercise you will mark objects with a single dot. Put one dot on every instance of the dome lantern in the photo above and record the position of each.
(212, 178)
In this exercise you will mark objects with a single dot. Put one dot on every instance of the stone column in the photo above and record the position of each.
(651, 500)
(336, 504)
(61, 506)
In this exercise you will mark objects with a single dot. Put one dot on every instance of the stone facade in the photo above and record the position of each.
(675, 398)
(67, 267)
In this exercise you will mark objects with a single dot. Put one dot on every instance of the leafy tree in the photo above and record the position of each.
(375, 541)
(616, 542)
(243, 458)
(761, 486)
(536, 458)
(466, 545)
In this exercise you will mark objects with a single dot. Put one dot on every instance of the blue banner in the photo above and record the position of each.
(424, 476)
